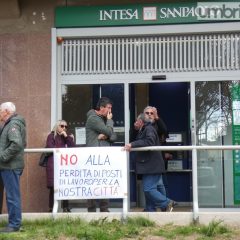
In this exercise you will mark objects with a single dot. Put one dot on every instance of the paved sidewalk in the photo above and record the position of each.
(177, 217)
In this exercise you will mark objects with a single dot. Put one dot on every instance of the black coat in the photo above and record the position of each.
(148, 162)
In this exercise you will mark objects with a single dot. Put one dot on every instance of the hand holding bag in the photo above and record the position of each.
(43, 159)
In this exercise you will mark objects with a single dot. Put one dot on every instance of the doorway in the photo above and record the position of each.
(172, 101)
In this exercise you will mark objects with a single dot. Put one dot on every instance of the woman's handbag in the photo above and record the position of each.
(43, 159)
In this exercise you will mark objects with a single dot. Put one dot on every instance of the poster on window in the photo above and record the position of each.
(90, 173)
(236, 140)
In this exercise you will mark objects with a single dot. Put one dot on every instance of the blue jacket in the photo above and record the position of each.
(148, 162)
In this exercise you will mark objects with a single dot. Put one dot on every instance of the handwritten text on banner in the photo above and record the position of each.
(90, 173)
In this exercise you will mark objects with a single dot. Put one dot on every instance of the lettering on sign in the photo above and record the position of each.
(98, 160)
(85, 173)
(121, 14)
(182, 12)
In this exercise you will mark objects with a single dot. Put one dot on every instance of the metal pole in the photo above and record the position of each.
(55, 208)
(126, 201)
(195, 185)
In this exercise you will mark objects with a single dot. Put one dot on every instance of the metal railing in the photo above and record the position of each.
(192, 148)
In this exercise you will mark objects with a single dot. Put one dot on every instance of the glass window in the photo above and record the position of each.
(214, 111)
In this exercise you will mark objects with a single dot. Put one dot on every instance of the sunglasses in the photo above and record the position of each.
(149, 113)
(64, 126)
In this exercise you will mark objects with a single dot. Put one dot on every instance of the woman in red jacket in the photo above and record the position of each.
(58, 138)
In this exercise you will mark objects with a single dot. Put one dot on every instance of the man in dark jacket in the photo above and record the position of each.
(150, 164)
(161, 128)
(99, 133)
(12, 143)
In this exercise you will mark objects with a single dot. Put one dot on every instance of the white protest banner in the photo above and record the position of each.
(90, 173)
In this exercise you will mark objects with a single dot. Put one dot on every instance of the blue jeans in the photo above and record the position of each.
(150, 204)
(165, 183)
(11, 182)
(154, 192)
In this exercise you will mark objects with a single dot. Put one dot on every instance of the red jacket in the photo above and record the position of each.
(57, 142)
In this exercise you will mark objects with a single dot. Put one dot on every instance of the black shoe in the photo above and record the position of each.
(104, 210)
(9, 230)
(171, 205)
(92, 209)
(66, 210)
(151, 210)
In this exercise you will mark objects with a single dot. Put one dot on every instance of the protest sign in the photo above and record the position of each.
(90, 173)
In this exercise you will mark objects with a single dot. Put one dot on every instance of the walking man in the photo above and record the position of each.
(12, 143)
(150, 165)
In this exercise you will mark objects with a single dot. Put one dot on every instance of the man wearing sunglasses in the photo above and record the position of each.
(161, 128)
(152, 114)
(99, 133)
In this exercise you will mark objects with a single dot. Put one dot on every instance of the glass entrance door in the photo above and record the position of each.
(172, 101)
(217, 104)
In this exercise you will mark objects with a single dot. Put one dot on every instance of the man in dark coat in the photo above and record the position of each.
(150, 164)
(161, 128)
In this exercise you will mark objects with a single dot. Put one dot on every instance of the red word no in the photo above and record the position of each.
(68, 159)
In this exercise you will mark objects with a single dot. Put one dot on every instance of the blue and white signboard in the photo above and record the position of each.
(90, 173)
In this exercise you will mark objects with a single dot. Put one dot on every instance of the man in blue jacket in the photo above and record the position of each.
(12, 143)
(150, 164)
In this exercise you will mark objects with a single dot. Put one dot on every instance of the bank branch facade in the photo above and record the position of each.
(180, 58)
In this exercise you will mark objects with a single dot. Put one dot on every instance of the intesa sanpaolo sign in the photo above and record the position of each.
(146, 14)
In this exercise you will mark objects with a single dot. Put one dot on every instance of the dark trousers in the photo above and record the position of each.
(92, 205)
(65, 203)
(1, 194)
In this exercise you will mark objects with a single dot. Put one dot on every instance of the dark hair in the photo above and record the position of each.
(102, 102)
